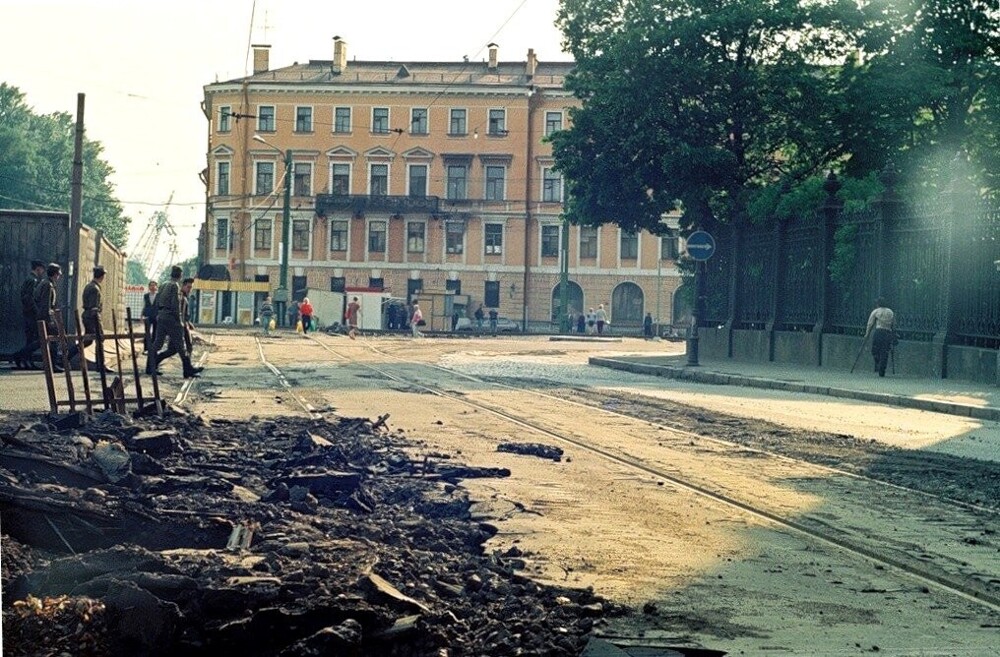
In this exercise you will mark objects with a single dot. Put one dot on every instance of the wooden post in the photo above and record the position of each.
(83, 361)
(135, 360)
(67, 369)
(47, 364)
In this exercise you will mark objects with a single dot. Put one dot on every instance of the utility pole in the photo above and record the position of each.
(75, 213)
(564, 326)
(281, 294)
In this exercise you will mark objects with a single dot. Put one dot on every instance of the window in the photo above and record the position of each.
(338, 236)
(379, 180)
(341, 183)
(342, 119)
(302, 180)
(491, 294)
(222, 179)
(456, 181)
(222, 233)
(629, 245)
(454, 237)
(456, 125)
(376, 237)
(553, 122)
(550, 241)
(415, 237)
(303, 119)
(263, 234)
(265, 118)
(668, 247)
(498, 123)
(495, 187)
(300, 234)
(588, 241)
(376, 283)
(418, 121)
(418, 180)
(494, 239)
(338, 284)
(551, 186)
(265, 178)
(453, 286)
(380, 120)
(225, 113)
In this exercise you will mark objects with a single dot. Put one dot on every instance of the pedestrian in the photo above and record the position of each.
(454, 320)
(647, 326)
(93, 306)
(293, 313)
(351, 316)
(266, 314)
(306, 314)
(186, 285)
(24, 359)
(479, 318)
(601, 317)
(883, 321)
(47, 310)
(493, 321)
(591, 321)
(416, 319)
(149, 316)
(581, 323)
(170, 327)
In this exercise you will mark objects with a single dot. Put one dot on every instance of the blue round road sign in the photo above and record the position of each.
(700, 245)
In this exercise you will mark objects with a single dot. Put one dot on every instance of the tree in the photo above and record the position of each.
(189, 268)
(701, 102)
(135, 273)
(36, 166)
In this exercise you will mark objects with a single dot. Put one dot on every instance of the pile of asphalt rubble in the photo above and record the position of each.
(173, 536)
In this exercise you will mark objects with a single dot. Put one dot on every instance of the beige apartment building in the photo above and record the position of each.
(413, 178)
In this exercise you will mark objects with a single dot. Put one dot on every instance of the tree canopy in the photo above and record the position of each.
(36, 166)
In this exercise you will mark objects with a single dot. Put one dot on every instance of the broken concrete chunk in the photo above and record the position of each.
(112, 460)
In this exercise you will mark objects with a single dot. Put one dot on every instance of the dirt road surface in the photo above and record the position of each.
(752, 522)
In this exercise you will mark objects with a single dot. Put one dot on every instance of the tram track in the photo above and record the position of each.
(916, 567)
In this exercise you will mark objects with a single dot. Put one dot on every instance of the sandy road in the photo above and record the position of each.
(711, 575)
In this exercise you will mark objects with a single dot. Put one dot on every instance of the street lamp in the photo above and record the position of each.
(281, 293)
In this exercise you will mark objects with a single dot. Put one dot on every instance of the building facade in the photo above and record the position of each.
(413, 177)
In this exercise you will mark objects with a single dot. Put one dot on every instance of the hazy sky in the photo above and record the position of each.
(143, 64)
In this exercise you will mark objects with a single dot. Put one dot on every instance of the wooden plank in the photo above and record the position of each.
(135, 360)
(64, 347)
(47, 364)
(83, 362)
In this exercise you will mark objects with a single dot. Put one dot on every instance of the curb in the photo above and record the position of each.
(718, 378)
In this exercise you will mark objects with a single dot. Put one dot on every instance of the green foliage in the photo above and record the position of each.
(189, 266)
(845, 254)
(135, 274)
(36, 167)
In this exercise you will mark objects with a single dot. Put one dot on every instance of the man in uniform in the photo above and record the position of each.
(47, 309)
(92, 307)
(186, 286)
(149, 316)
(24, 358)
(169, 326)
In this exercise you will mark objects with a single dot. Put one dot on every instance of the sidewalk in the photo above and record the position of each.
(967, 399)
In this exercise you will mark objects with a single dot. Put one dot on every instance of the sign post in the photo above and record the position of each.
(700, 247)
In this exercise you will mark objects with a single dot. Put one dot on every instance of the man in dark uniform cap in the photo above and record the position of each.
(47, 309)
(24, 359)
(169, 326)
(92, 307)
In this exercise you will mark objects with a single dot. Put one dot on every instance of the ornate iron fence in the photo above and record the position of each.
(977, 284)
(801, 263)
(755, 281)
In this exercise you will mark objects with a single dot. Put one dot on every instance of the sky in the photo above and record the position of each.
(142, 65)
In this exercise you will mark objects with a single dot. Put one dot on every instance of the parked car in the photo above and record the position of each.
(504, 325)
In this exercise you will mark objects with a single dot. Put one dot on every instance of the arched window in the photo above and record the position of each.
(626, 304)
(574, 296)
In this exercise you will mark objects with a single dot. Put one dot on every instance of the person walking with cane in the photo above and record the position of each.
(881, 325)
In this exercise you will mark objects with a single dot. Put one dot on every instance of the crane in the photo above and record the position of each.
(147, 247)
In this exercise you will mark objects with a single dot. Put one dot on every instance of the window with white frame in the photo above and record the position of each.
(303, 119)
(338, 235)
(225, 118)
(550, 240)
(265, 118)
(222, 179)
(342, 119)
(263, 233)
(551, 185)
(302, 180)
(264, 178)
(457, 180)
(454, 240)
(380, 120)
(669, 249)
(456, 122)
(340, 179)
(493, 234)
(379, 180)
(415, 240)
(495, 182)
(376, 237)
(629, 248)
(553, 122)
(222, 233)
(418, 180)
(498, 122)
(300, 234)
(588, 241)
(418, 121)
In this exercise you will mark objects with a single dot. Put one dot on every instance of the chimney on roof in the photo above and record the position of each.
(339, 55)
(531, 64)
(261, 57)
(493, 56)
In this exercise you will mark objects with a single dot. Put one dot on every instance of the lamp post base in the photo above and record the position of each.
(692, 351)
